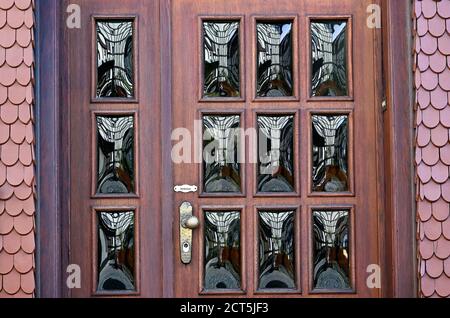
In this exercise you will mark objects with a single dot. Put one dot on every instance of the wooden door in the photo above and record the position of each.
(279, 105)
(274, 112)
(114, 126)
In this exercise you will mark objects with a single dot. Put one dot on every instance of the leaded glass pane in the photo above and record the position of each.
(221, 59)
(116, 251)
(331, 244)
(222, 259)
(115, 154)
(276, 250)
(115, 61)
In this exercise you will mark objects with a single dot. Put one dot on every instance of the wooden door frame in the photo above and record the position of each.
(398, 131)
(399, 277)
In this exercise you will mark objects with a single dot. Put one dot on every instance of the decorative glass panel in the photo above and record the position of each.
(221, 166)
(116, 254)
(329, 58)
(274, 59)
(276, 250)
(331, 250)
(222, 250)
(276, 154)
(221, 59)
(115, 74)
(330, 158)
(115, 142)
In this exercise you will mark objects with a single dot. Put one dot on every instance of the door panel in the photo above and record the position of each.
(301, 219)
(114, 110)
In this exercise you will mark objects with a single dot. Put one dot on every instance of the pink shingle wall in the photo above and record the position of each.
(432, 77)
(17, 176)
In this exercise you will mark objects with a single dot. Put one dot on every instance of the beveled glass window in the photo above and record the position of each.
(276, 154)
(221, 165)
(274, 76)
(221, 59)
(115, 60)
(276, 250)
(116, 251)
(329, 58)
(222, 259)
(331, 250)
(115, 155)
(330, 153)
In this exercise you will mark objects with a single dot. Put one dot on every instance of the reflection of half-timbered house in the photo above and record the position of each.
(329, 54)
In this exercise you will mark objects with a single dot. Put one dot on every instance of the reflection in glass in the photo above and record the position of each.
(115, 59)
(276, 154)
(222, 250)
(276, 250)
(330, 160)
(115, 139)
(331, 250)
(329, 58)
(274, 59)
(116, 255)
(221, 166)
(221, 58)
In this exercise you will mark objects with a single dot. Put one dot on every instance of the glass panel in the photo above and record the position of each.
(274, 59)
(115, 74)
(276, 250)
(222, 250)
(221, 59)
(330, 158)
(115, 142)
(221, 166)
(331, 249)
(116, 254)
(329, 58)
(276, 154)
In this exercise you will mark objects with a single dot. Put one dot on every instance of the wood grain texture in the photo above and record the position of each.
(51, 155)
(82, 149)
(187, 55)
(161, 273)
(397, 144)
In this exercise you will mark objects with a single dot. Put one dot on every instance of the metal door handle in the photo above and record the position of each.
(188, 222)
(191, 223)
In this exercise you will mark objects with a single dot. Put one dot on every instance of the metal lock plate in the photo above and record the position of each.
(185, 233)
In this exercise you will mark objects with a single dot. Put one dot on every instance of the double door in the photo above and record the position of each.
(256, 123)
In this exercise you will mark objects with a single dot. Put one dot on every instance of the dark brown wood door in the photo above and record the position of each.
(275, 105)
(115, 150)
(274, 112)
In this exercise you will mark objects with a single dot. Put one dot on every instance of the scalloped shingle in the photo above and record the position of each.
(17, 207)
(432, 78)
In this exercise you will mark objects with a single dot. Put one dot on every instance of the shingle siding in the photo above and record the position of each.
(432, 78)
(17, 176)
